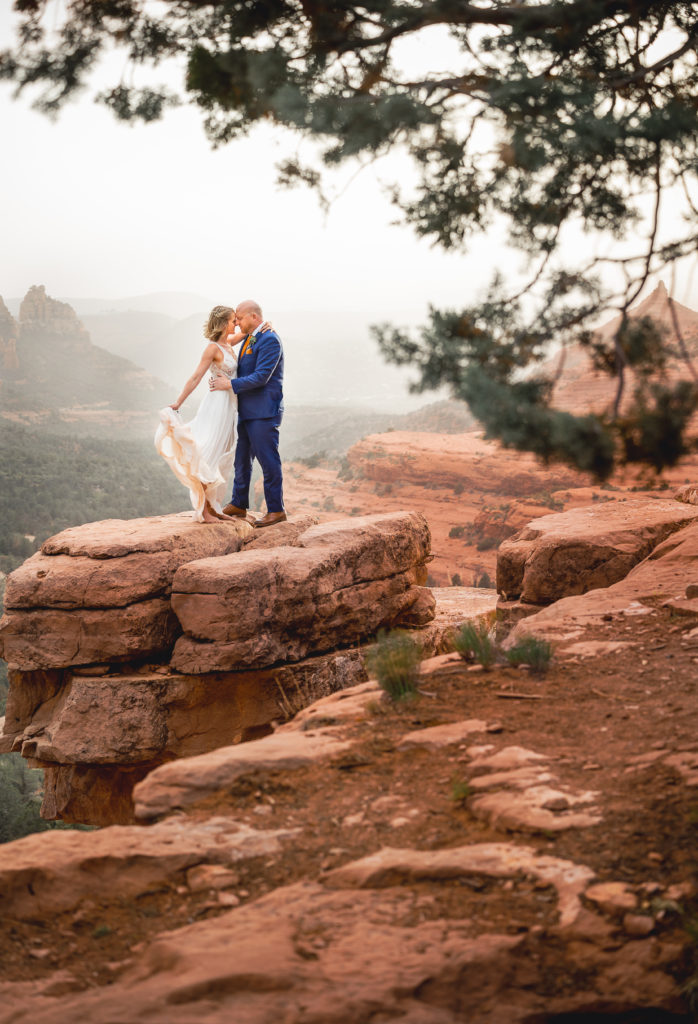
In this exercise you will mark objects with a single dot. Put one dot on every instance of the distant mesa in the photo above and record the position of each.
(39, 310)
(50, 371)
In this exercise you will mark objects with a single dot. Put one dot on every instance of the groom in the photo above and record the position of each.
(259, 387)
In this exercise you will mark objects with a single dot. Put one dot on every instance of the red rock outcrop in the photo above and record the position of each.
(572, 552)
(340, 583)
(100, 691)
(667, 575)
(101, 592)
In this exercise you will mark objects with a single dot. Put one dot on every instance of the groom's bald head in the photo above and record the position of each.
(247, 307)
(249, 316)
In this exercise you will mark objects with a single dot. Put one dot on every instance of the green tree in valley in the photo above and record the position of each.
(542, 114)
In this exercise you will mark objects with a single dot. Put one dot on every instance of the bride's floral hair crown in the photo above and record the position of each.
(217, 320)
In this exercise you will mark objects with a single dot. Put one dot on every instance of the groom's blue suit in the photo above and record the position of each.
(259, 387)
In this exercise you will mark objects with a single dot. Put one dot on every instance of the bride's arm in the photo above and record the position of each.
(198, 375)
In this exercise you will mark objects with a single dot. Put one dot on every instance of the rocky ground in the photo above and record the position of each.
(359, 863)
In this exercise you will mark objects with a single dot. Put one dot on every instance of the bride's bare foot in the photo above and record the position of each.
(211, 516)
(208, 515)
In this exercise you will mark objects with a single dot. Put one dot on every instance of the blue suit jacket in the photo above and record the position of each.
(259, 383)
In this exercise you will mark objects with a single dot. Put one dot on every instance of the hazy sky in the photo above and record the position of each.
(97, 208)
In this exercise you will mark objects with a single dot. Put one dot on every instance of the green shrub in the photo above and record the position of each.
(546, 498)
(456, 531)
(394, 661)
(473, 643)
(532, 652)
(460, 791)
(488, 542)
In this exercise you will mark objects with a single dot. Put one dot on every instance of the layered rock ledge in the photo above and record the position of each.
(132, 643)
(586, 548)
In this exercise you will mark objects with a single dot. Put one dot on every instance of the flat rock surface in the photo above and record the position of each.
(281, 535)
(183, 783)
(92, 581)
(48, 874)
(572, 552)
(115, 538)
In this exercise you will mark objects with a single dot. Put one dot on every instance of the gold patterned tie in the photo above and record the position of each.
(246, 345)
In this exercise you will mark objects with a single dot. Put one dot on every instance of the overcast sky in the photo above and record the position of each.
(96, 208)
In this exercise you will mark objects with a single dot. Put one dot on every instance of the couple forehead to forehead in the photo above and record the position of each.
(223, 319)
(248, 308)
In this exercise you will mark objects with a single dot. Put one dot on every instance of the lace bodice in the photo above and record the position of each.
(227, 367)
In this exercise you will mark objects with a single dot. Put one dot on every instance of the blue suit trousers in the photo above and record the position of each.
(258, 439)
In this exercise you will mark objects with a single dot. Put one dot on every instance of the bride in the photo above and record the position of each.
(201, 453)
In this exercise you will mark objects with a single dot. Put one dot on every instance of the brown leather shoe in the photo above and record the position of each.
(233, 510)
(271, 519)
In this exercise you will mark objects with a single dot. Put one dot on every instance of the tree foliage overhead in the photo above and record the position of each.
(546, 113)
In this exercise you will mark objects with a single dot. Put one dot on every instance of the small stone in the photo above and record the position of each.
(399, 821)
(383, 803)
(494, 727)
(479, 751)
(656, 857)
(650, 888)
(557, 803)
(210, 876)
(353, 819)
(228, 899)
(263, 809)
(638, 925)
(591, 766)
(659, 745)
(680, 891)
(611, 897)
(40, 954)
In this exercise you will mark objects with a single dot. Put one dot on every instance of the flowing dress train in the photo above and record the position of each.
(201, 453)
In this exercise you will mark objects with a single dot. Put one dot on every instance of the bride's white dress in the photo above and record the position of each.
(201, 453)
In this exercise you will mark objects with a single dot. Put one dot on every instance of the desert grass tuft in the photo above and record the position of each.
(474, 643)
(394, 661)
(531, 651)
